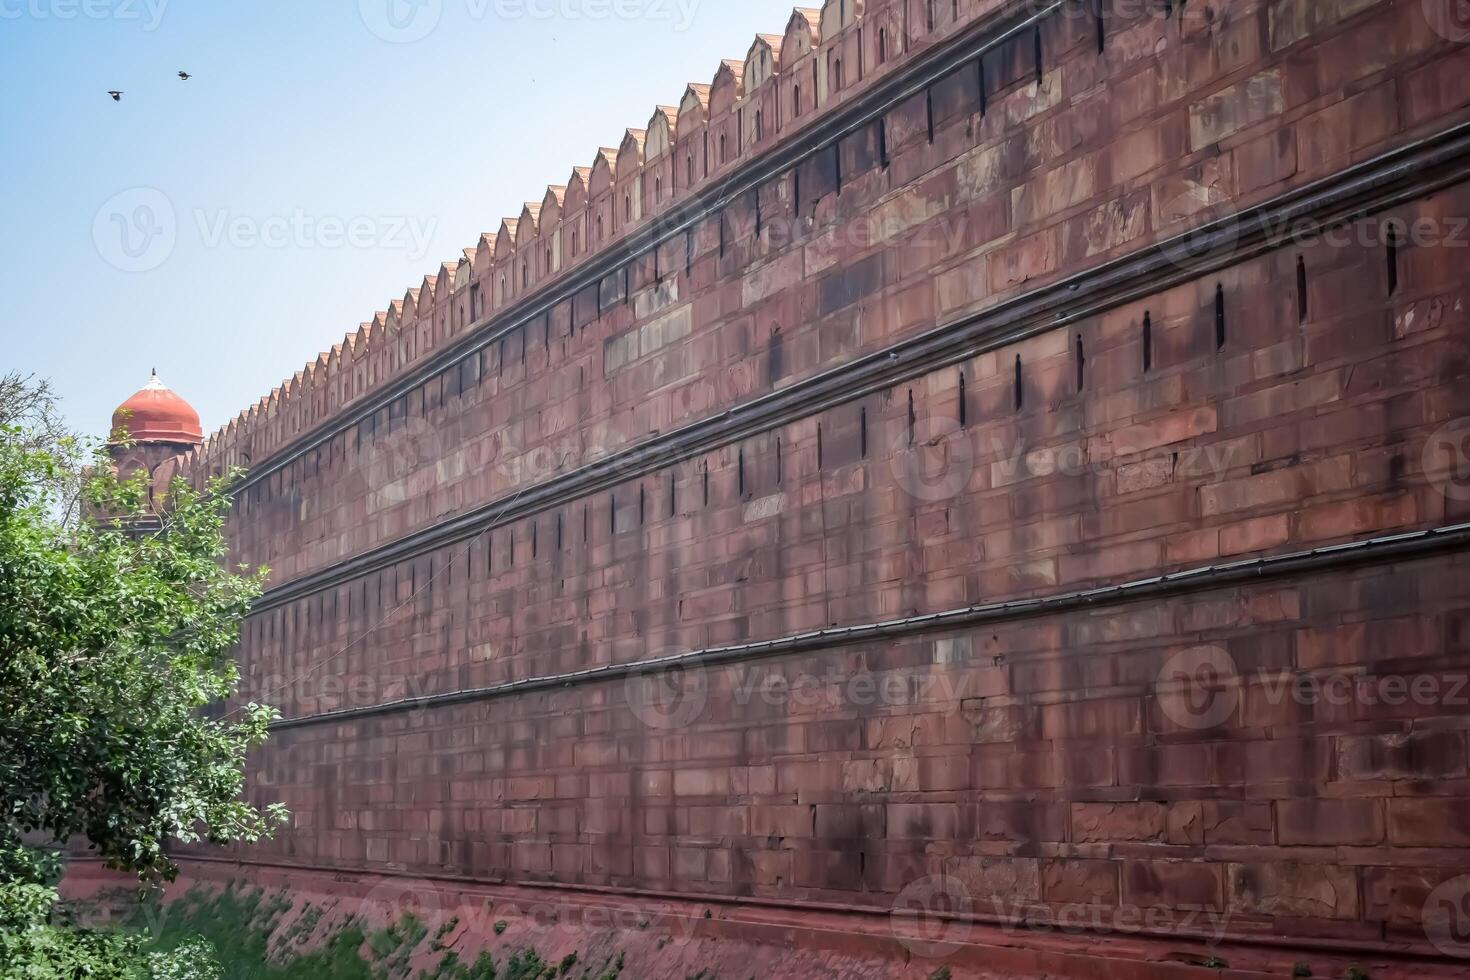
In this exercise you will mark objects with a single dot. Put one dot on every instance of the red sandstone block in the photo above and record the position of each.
(1054, 191)
(1360, 643)
(661, 820)
(1435, 89)
(1295, 890)
(946, 773)
(1266, 161)
(1116, 718)
(838, 870)
(1329, 822)
(1402, 755)
(1429, 822)
(1136, 154)
(1173, 884)
(1282, 400)
(1358, 517)
(810, 781)
(1278, 487)
(1145, 475)
(851, 821)
(701, 782)
(1024, 823)
(995, 883)
(994, 722)
(782, 821)
(1335, 135)
(1080, 882)
(1232, 823)
(717, 821)
(1192, 547)
(1167, 430)
(923, 821)
(690, 863)
(1160, 510)
(1026, 259)
(1256, 764)
(1113, 822)
(530, 787)
(1397, 896)
(1258, 534)
(908, 731)
(651, 863)
(1111, 564)
(1166, 765)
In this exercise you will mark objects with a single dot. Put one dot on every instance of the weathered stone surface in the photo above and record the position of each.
(1043, 758)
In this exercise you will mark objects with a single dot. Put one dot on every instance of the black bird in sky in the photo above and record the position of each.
(185, 75)
(116, 96)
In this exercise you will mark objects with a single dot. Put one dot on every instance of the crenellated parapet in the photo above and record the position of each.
(782, 85)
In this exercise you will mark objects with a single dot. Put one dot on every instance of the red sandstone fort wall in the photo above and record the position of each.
(1267, 399)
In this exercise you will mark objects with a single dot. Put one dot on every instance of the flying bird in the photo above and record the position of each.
(116, 96)
(185, 75)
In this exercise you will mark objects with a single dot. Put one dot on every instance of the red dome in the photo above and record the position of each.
(156, 414)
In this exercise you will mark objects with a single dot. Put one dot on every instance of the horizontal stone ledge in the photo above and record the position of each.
(1421, 168)
(1251, 942)
(1396, 547)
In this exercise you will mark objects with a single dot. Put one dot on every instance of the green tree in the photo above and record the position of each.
(112, 645)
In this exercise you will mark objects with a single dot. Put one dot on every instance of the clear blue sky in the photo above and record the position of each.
(302, 128)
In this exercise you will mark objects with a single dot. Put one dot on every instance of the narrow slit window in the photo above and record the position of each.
(1301, 290)
(1219, 317)
(1393, 257)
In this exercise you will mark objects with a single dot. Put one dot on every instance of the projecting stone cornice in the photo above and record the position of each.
(1381, 550)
